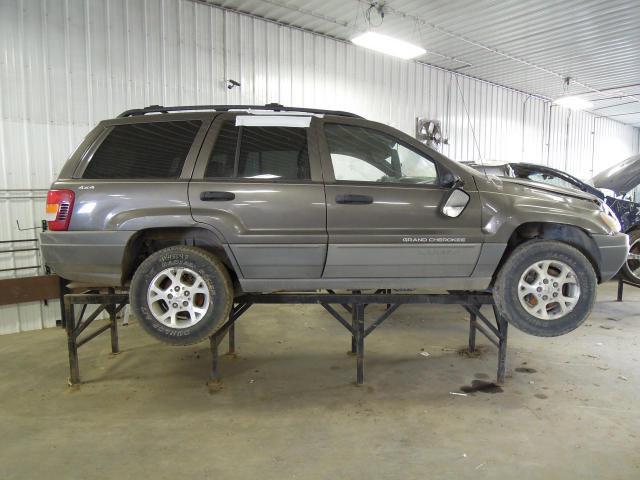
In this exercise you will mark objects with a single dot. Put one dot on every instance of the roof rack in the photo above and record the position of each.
(276, 107)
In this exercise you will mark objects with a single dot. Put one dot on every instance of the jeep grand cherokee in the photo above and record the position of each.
(192, 205)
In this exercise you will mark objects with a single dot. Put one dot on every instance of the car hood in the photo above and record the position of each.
(620, 178)
(543, 187)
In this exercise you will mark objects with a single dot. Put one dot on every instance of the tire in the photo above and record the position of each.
(631, 268)
(524, 273)
(181, 294)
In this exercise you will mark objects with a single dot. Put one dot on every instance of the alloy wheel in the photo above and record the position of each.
(178, 297)
(548, 289)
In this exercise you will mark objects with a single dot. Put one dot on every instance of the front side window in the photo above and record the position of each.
(143, 150)
(365, 155)
(263, 153)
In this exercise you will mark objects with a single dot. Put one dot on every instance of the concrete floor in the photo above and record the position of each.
(289, 409)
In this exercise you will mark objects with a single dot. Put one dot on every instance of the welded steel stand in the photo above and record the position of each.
(621, 283)
(497, 335)
(215, 339)
(109, 302)
(355, 303)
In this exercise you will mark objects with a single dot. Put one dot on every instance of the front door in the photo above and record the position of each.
(260, 186)
(383, 209)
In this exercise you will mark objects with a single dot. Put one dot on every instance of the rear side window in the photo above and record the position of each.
(143, 150)
(264, 153)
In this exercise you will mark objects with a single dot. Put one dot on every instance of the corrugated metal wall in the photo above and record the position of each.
(67, 64)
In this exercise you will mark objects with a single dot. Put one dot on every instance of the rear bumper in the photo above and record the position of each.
(88, 257)
(613, 253)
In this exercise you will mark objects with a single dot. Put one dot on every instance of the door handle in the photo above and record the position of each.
(353, 199)
(217, 196)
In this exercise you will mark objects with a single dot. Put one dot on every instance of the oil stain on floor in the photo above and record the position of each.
(481, 386)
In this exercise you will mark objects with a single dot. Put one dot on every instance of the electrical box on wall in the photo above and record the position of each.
(429, 132)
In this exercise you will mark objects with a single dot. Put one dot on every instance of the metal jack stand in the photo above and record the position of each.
(621, 283)
(110, 302)
(218, 336)
(495, 334)
(355, 304)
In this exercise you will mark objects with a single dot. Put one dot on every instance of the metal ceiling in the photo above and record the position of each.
(528, 45)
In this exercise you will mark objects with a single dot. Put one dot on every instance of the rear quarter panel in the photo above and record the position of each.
(107, 212)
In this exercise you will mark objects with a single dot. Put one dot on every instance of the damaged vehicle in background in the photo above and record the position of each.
(621, 186)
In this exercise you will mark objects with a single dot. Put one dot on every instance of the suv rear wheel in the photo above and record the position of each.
(181, 294)
(545, 288)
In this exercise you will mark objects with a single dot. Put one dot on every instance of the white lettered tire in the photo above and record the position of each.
(181, 294)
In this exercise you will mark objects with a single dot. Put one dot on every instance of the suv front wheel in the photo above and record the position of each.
(181, 294)
(545, 288)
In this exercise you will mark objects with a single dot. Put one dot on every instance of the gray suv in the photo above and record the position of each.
(189, 206)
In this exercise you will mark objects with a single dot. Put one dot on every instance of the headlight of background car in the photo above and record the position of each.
(609, 218)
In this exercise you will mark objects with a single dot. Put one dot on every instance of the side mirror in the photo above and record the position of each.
(454, 202)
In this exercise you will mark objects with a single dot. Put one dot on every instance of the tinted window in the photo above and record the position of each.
(362, 154)
(271, 153)
(143, 150)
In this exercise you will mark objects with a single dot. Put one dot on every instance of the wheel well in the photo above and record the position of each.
(569, 234)
(145, 242)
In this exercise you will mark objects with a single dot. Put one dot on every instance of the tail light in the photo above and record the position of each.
(59, 208)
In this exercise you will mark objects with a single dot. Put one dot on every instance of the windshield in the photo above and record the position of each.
(549, 179)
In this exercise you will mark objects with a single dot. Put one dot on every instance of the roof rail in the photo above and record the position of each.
(276, 107)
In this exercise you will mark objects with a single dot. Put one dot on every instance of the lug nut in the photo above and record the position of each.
(175, 305)
(544, 297)
(555, 294)
(555, 284)
(184, 304)
(186, 293)
(539, 289)
(177, 289)
(545, 281)
(169, 296)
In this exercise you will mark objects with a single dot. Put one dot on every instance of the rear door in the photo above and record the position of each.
(383, 208)
(258, 182)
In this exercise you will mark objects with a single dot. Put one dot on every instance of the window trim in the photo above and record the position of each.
(187, 166)
(328, 162)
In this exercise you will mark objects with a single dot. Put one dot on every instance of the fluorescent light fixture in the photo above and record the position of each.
(574, 103)
(388, 45)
